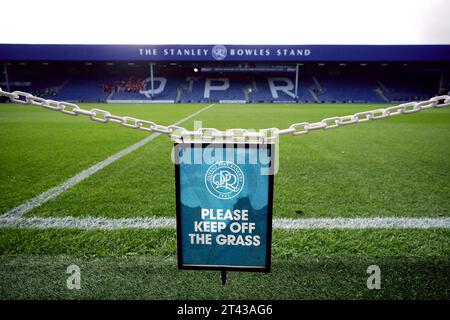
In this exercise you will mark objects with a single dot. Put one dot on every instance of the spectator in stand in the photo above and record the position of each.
(134, 85)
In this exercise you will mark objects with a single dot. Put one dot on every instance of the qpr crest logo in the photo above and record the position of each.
(219, 52)
(224, 180)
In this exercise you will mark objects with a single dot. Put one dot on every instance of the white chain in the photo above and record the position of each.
(201, 134)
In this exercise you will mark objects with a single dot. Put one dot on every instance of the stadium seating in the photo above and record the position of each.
(271, 89)
(163, 89)
(35, 85)
(400, 88)
(313, 87)
(83, 89)
(213, 89)
(348, 89)
(193, 90)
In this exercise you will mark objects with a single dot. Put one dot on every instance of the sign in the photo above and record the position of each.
(224, 195)
(218, 53)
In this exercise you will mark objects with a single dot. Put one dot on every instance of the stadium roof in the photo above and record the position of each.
(253, 53)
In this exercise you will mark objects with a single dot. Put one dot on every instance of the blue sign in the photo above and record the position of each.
(224, 206)
(219, 52)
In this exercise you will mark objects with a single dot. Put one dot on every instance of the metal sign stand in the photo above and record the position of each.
(223, 277)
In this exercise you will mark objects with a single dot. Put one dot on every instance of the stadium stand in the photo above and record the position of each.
(83, 89)
(404, 87)
(281, 89)
(348, 88)
(315, 85)
(34, 84)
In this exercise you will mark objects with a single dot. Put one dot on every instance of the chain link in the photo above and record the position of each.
(268, 134)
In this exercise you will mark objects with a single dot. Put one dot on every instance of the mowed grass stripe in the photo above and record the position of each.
(391, 168)
(41, 149)
(141, 264)
(54, 192)
(286, 243)
(150, 277)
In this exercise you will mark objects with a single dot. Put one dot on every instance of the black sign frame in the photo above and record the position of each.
(267, 267)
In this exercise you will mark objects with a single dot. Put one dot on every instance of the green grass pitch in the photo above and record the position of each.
(395, 167)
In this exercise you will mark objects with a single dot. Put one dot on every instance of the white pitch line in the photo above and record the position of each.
(56, 191)
(87, 223)
(363, 223)
(94, 223)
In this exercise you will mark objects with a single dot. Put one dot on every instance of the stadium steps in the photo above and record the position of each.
(254, 85)
(314, 95)
(317, 83)
(381, 89)
(109, 97)
(381, 84)
(179, 94)
(60, 87)
(381, 94)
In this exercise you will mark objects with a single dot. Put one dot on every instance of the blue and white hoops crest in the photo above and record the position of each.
(224, 180)
(219, 52)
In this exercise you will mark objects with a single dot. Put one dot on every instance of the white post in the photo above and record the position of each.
(296, 81)
(151, 78)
